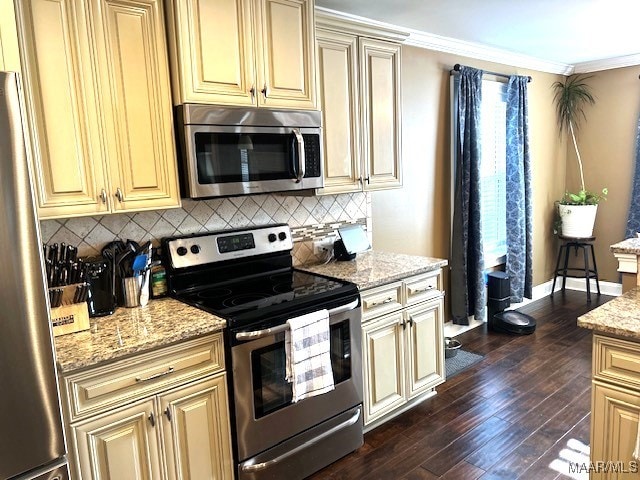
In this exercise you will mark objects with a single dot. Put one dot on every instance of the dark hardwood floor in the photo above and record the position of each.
(506, 417)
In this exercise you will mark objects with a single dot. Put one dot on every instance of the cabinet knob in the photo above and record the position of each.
(167, 412)
(366, 179)
(411, 322)
(119, 195)
(265, 91)
(103, 196)
(404, 324)
(152, 419)
(252, 91)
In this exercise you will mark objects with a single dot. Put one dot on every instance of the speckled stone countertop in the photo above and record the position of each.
(133, 330)
(374, 268)
(620, 316)
(630, 245)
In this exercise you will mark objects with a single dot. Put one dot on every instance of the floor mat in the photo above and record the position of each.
(460, 362)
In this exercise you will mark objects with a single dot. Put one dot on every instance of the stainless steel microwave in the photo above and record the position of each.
(238, 151)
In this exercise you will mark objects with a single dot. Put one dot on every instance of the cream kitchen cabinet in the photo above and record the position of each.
(403, 345)
(163, 415)
(243, 52)
(98, 105)
(359, 91)
(9, 53)
(615, 403)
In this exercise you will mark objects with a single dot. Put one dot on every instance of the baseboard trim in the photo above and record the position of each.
(540, 291)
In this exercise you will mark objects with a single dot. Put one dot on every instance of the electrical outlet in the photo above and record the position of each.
(322, 246)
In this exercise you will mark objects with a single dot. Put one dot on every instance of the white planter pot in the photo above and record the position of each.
(577, 220)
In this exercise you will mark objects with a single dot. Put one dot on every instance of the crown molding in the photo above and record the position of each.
(607, 64)
(334, 20)
(482, 52)
(329, 19)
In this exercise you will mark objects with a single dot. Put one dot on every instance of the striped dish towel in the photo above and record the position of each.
(308, 355)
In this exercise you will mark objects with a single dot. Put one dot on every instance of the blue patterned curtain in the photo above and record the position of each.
(633, 221)
(467, 260)
(519, 215)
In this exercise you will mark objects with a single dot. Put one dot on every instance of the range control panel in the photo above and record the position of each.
(197, 250)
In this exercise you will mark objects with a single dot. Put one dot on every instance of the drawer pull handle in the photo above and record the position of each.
(420, 290)
(157, 375)
(167, 412)
(152, 419)
(386, 300)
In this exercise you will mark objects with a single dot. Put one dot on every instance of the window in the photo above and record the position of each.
(493, 171)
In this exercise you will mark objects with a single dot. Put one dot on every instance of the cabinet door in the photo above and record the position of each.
(285, 47)
(380, 90)
(196, 431)
(61, 108)
(120, 445)
(383, 362)
(425, 347)
(9, 52)
(338, 93)
(212, 51)
(614, 427)
(134, 79)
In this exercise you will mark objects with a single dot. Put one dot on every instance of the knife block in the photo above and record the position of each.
(69, 317)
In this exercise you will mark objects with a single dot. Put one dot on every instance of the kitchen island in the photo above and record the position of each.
(615, 398)
(627, 253)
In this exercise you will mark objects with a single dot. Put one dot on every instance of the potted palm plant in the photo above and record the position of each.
(577, 210)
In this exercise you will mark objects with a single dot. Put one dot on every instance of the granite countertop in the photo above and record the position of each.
(620, 316)
(630, 245)
(374, 268)
(133, 330)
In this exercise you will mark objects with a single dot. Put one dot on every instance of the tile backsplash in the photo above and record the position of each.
(310, 218)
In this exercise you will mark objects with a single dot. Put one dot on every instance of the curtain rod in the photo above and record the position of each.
(456, 68)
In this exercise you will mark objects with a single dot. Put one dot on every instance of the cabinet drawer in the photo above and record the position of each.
(422, 287)
(380, 300)
(617, 361)
(109, 385)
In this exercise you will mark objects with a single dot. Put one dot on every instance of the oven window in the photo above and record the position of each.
(246, 157)
(270, 389)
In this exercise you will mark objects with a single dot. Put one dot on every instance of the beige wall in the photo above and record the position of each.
(607, 145)
(416, 218)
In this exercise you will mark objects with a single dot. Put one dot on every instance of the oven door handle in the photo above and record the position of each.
(244, 336)
(256, 467)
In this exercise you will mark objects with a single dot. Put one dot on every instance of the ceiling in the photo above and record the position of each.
(568, 31)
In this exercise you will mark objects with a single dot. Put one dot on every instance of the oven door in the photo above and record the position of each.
(265, 415)
(235, 160)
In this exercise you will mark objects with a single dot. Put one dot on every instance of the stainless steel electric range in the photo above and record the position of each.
(246, 277)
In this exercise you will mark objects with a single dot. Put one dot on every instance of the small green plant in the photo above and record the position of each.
(584, 197)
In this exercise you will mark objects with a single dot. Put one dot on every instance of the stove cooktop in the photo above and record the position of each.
(242, 301)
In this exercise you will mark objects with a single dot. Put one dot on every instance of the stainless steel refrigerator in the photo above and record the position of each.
(31, 439)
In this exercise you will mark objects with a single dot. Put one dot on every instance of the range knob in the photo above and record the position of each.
(195, 249)
(272, 237)
(282, 235)
(182, 251)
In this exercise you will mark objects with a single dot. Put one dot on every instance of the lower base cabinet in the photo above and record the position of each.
(615, 408)
(163, 416)
(403, 351)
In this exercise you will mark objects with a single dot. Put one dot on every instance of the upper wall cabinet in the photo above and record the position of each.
(99, 106)
(360, 102)
(9, 53)
(243, 52)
